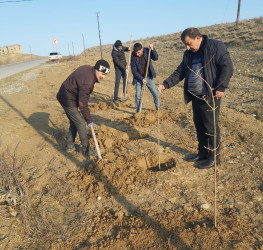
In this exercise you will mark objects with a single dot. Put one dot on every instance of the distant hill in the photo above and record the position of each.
(13, 58)
(244, 43)
(248, 36)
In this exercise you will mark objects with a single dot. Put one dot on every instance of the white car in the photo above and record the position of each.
(53, 56)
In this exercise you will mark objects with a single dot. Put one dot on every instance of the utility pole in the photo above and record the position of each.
(73, 49)
(84, 45)
(99, 33)
(68, 50)
(238, 12)
(30, 51)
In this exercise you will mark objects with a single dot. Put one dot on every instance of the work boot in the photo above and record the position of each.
(88, 152)
(124, 98)
(209, 163)
(70, 148)
(195, 157)
(116, 100)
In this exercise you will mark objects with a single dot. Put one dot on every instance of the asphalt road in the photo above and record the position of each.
(11, 69)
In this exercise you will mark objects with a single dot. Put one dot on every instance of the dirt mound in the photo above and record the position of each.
(149, 118)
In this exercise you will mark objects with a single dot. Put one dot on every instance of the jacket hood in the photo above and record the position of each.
(113, 47)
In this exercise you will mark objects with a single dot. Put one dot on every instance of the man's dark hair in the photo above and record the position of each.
(136, 47)
(191, 33)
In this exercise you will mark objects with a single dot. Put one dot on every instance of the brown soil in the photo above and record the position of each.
(125, 201)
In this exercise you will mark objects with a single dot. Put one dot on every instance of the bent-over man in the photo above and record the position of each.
(73, 96)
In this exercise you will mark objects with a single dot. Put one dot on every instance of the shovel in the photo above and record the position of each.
(96, 142)
(146, 74)
(125, 97)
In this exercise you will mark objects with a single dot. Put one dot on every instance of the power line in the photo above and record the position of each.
(15, 1)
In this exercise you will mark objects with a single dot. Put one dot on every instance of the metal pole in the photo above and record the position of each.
(99, 34)
(238, 12)
(68, 50)
(84, 45)
(30, 51)
(73, 49)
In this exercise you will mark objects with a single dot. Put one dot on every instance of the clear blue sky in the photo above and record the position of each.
(34, 24)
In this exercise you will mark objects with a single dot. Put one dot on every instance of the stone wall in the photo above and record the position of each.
(12, 49)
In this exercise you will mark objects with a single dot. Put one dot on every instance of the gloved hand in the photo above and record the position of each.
(90, 124)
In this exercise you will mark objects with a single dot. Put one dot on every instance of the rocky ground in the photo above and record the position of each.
(142, 194)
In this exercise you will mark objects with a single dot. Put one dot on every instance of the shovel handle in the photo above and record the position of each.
(127, 73)
(146, 75)
(96, 142)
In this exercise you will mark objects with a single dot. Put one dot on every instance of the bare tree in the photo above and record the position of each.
(213, 148)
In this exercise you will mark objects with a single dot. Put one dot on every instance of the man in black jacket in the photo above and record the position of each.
(206, 69)
(119, 62)
(73, 96)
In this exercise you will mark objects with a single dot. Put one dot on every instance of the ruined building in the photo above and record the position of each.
(12, 49)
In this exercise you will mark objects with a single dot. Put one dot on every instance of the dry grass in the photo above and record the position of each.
(12, 58)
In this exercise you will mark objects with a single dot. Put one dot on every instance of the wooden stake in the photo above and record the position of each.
(128, 69)
(96, 142)
(158, 131)
(146, 74)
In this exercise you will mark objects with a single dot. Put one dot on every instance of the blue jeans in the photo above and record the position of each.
(152, 87)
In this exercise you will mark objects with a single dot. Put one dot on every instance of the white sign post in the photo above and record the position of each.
(55, 42)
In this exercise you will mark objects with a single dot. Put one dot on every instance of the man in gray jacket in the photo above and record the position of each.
(206, 69)
(73, 96)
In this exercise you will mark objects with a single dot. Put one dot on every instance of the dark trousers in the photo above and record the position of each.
(77, 125)
(118, 74)
(205, 129)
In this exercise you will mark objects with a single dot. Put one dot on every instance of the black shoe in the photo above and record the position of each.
(88, 152)
(209, 163)
(195, 157)
(124, 100)
(70, 148)
(116, 100)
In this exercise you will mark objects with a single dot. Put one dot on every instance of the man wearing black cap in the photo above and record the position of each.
(73, 96)
(119, 62)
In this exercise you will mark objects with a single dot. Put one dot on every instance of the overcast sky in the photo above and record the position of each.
(34, 24)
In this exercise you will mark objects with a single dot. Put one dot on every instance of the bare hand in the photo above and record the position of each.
(151, 46)
(219, 94)
(144, 81)
(161, 88)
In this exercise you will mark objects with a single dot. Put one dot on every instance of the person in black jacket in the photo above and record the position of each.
(73, 96)
(206, 69)
(139, 60)
(119, 62)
